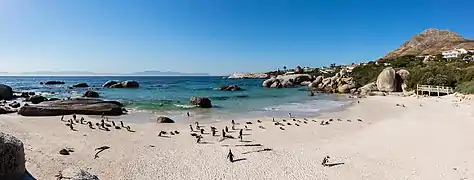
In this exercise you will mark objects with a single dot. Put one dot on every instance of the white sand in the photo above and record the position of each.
(432, 142)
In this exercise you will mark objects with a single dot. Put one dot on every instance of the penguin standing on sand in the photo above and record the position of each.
(74, 116)
(226, 129)
(213, 131)
(191, 128)
(230, 156)
(223, 134)
(241, 135)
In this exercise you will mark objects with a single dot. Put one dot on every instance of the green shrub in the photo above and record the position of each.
(466, 87)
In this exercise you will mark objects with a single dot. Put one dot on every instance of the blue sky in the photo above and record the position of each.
(214, 36)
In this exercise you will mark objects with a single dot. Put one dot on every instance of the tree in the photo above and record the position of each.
(284, 68)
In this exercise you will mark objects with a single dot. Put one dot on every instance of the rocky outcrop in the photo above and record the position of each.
(229, 88)
(53, 82)
(14, 104)
(386, 80)
(401, 78)
(91, 94)
(84, 106)
(305, 83)
(431, 41)
(248, 76)
(201, 102)
(6, 92)
(123, 84)
(286, 81)
(163, 119)
(109, 83)
(75, 173)
(12, 157)
(336, 84)
(80, 85)
(36, 99)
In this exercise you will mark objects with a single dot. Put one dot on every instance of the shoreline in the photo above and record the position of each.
(379, 147)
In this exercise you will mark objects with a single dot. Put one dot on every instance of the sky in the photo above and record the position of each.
(218, 37)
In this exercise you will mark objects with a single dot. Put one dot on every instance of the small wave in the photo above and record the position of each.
(228, 97)
(185, 106)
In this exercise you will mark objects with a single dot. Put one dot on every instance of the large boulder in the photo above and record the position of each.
(287, 84)
(80, 85)
(202, 102)
(229, 88)
(318, 80)
(53, 82)
(85, 106)
(269, 82)
(12, 157)
(295, 78)
(125, 84)
(276, 84)
(14, 104)
(74, 173)
(130, 84)
(6, 92)
(36, 99)
(109, 83)
(343, 72)
(306, 83)
(401, 78)
(163, 119)
(346, 88)
(91, 94)
(386, 80)
(366, 89)
(6, 110)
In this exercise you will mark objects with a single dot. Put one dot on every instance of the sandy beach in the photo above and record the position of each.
(429, 138)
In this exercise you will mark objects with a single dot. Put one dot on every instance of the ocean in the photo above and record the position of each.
(169, 96)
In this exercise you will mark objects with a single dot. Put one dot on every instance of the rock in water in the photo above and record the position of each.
(305, 83)
(386, 80)
(310, 93)
(202, 102)
(12, 157)
(229, 88)
(74, 173)
(269, 82)
(85, 106)
(130, 84)
(163, 119)
(6, 92)
(80, 85)
(91, 94)
(54, 82)
(14, 104)
(109, 83)
(36, 99)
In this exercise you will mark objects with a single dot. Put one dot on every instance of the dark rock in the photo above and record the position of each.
(202, 102)
(163, 119)
(6, 110)
(36, 99)
(85, 106)
(6, 92)
(229, 88)
(31, 93)
(14, 104)
(91, 94)
(75, 173)
(25, 95)
(117, 85)
(54, 82)
(53, 99)
(130, 84)
(310, 93)
(80, 85)
(64, 152)
(109, 83)
(12, 157)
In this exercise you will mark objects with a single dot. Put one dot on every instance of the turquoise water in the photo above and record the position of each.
(170, 95)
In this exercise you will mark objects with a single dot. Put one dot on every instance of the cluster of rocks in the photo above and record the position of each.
(229, 88)
(287, 81)
(339, 83)
(123, 84)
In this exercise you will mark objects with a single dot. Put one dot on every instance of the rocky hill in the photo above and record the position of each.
(431, 41)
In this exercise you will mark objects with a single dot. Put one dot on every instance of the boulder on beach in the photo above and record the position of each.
(12, 157)
(53, 82)
(80, 85)
(75, 173)
(109, 83)
(386, 80)
(305, 83)
(91, 94)
(276, 84)
(36, 99)
(6, 110)
(14, 104)
(85, 106)
(163, 119)
(202, 102)
(346, 88)
(6, 92)
(229, 88)
(269, 82)
(366, 89)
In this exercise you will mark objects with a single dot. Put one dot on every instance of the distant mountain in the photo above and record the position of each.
(431, 41)
(167, 73)
(86, 73)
